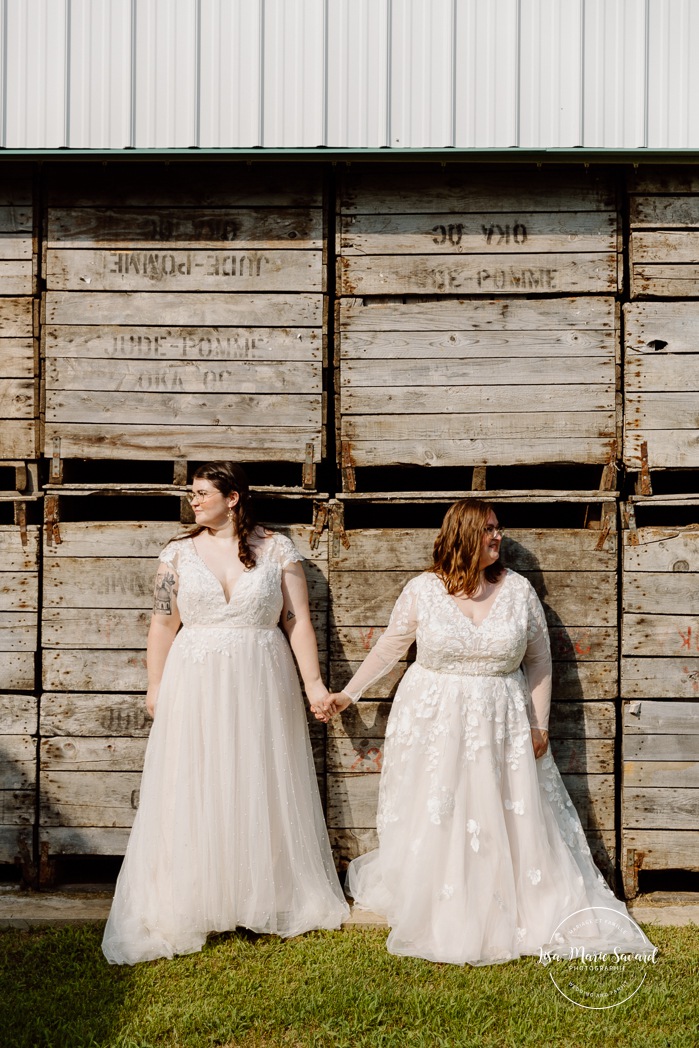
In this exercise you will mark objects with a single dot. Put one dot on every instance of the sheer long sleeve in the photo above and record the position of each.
(391, 645)
(537, 662)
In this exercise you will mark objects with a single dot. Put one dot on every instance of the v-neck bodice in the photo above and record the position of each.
(256, 598)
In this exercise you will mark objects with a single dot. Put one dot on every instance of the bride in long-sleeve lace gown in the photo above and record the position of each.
(229, 829)
(481, 853)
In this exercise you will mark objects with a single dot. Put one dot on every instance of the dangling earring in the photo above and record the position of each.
(230, 514)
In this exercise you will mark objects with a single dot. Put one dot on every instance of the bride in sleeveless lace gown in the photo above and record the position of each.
(481, 852)
(229, 830)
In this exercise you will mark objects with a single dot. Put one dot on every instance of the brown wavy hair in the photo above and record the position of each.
(228, 477)
(457, 548)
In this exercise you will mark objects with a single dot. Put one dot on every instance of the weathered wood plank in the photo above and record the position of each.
(17, 670)
(365, 756)
(492, 232)
(170, 270)
(17, 399)
(663, 849)
(456, 189)
(85, 754)
(17, 807)
(203, 409)
(520, 425)
(89, 798)
(474, 345)
(197, 227)
(667, 212)
(18, 714)
(586, 681)
(174, 185)
(146, 538)
(665, 448)
(658, 592)
(18, 439)
(174, 376)
(524, 549)
(660, 678)
(512, 451)
(461, 399)
(666, 281)
(15, 554)
(569, 720)
(16, 276)
(352, 800)
(15, 843)
(665, 247)
(574, 644)
(88, 670)
(364, 598)
(679, 410)
(649, 323)
(16, 318)
(654, 808)
(187, 309)
(64, 840)
(18, 631)
(496, 371)
(656, 773)
(80, 714)
(19, 591)
(662, 373)
(118, 582)
(662, 548)
(199, 442)
(667, 748)
(582, 317)
(591, 272)
(17, 762)
(205, 344)
(660, 635)
(660, 718)
(16, 220)
(17, 359)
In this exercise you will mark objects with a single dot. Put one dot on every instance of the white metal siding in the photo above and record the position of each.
(99, 74)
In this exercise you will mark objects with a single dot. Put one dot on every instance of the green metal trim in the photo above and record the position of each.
(336, 156)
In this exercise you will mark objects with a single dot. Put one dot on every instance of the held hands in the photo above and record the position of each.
(540, 742)
(332, 704)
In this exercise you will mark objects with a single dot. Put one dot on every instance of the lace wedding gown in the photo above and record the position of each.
(481, 853)
(229, 830)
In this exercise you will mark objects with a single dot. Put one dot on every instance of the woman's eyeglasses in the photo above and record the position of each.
(196, 496)
(493, 529)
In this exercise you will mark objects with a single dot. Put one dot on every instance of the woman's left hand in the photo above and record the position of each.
(540, 742)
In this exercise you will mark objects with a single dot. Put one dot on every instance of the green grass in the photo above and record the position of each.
(326, 988)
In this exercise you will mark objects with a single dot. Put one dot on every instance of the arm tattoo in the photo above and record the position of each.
(289, 616)
(164, 590)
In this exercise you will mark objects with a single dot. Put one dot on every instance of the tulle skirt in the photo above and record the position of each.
(229, 830)
(482, 857)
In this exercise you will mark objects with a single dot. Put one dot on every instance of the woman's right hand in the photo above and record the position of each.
(152, 698)
(336, 702)
(540, 742)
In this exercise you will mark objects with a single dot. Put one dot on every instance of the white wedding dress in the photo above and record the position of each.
(481, 853)
(229, 830)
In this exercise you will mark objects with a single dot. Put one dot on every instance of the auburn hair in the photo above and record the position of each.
(228, 477)
(458, 547)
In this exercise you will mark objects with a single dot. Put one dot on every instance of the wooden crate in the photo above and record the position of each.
(469, 382)
(661, 385)
(660, 686)
(184, 314)
(19, 574)
(574, 571)
(98, 585)
(465, 231)
(664, 241)
(19, 376)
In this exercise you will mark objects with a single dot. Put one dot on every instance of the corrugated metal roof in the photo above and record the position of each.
(349, 74)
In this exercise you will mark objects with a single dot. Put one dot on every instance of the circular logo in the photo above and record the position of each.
(597, 977)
